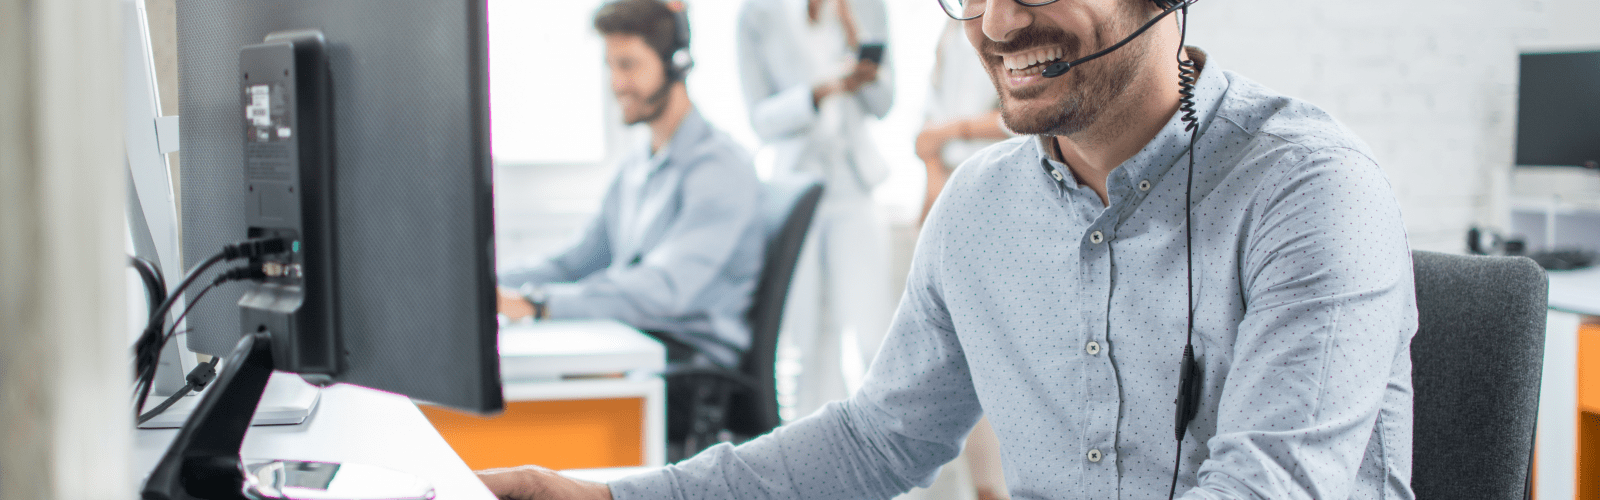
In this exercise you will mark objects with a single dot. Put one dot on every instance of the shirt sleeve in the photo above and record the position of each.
(590, 253)
(778, 109)
(717, 212)
(911, 415)
(1330, 313)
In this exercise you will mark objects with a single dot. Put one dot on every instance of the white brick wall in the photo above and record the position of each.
(1430, 86)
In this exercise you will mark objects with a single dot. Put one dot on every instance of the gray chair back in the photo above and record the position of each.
(1476, 365)
(788, 207)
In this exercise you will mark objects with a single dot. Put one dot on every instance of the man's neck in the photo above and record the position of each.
(665, 126)
(1123, 128)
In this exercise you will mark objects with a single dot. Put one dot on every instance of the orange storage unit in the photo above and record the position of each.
(1589, 412)
(558, 434)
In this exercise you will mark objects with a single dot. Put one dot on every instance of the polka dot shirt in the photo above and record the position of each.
(1063, 318)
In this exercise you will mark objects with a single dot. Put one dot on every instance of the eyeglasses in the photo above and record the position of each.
(964, 10)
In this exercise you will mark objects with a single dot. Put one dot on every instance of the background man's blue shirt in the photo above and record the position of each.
(1070, 342)
(676, 248)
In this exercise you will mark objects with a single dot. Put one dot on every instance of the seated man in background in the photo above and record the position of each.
(677, 246)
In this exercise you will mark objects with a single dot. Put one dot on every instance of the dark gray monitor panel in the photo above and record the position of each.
(414, 225)
(1558, 109)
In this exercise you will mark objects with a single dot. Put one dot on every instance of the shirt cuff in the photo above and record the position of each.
(655, 484)
(565, 301)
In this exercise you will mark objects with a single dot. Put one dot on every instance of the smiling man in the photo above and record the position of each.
(1063, 276)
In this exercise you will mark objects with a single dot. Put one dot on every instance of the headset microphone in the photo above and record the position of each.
(1061, 68)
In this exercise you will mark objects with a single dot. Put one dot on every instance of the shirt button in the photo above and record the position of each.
(1056, 174)
(1094, 456)
(1096, 237)
(1093, 348)
(1144, 185)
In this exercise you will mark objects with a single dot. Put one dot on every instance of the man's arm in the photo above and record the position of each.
(590, 253)
(1330, 315)
(914, 408)
(776, 112)
(877, 94)
(720, 201)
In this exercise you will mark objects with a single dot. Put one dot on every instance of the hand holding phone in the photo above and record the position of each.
(866, 69)
(871, 52)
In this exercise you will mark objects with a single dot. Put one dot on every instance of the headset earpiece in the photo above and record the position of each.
(677, 59)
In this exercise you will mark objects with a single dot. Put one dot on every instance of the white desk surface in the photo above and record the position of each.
(550, 350)
(1576, 291)
(350, 424)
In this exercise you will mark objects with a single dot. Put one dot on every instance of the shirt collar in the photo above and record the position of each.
(692, 130)
(1156, 157)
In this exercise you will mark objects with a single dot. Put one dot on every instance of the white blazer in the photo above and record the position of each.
(781, 56)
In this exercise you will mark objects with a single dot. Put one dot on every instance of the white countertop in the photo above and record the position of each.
(350, 424)
(1576, 291)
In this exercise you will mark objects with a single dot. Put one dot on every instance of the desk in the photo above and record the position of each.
(579, 394)
(1572, 294)
(350, 424)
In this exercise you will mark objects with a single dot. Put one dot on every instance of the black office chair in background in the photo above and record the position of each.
(1476, 365)
(745, 402)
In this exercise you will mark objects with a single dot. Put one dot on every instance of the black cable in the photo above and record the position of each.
(146, 377)
(1187, 371)
(147, 349)
(197, 380)
(155, 286)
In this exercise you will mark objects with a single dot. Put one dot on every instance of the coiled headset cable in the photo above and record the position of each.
(1188, 401)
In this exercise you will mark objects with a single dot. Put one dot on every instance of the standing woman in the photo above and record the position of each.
(809, 96)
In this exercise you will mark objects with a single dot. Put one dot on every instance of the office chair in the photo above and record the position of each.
(1476, 365)
(744, 402)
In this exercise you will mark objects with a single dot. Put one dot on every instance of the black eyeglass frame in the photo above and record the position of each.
(944, 4)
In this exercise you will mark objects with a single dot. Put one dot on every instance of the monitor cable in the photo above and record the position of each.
(147, 349)
(201, 375)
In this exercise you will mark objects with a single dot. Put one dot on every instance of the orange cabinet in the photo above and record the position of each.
(558, 434)
(1589, 412)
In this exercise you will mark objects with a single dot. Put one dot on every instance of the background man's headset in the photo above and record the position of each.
(1188, 401)
(677, 59)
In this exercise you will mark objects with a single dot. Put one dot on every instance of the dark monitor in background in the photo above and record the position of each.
(392, 269)
(1558, 110)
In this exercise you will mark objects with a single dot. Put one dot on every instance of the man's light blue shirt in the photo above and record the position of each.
(676, 248)
(1062, 319)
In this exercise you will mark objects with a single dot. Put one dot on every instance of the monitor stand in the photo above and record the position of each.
(287, 400)
(203, 461)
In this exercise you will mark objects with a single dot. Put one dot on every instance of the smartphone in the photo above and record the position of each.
(871, 52)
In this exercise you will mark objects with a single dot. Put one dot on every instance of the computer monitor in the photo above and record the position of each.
(1558, 110)
(397, 291)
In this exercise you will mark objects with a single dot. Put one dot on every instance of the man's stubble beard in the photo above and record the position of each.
(1094, 86)
(658, 101)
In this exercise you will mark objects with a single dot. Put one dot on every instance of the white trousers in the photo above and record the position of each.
(839, 303)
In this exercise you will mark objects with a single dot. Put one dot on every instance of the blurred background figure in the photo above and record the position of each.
(963, 111)
(810, 87)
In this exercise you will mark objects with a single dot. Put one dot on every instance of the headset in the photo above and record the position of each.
(677, 60)
(1188, 400)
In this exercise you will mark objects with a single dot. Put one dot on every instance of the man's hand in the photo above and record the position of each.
(865, 72)
(532, 482)
(511, 304)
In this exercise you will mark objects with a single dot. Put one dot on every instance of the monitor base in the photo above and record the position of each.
(301, 480)
(287, 400)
